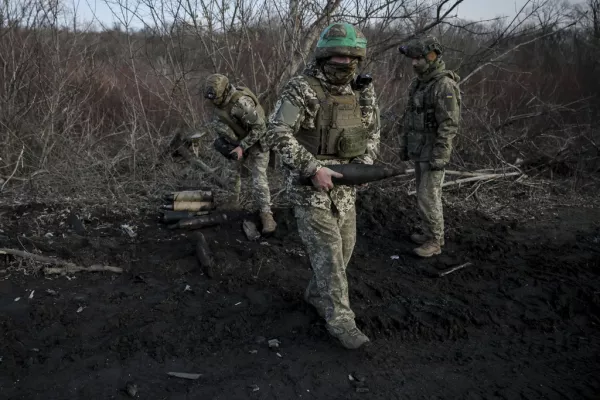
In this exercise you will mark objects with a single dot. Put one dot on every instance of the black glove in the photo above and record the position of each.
(225, 147)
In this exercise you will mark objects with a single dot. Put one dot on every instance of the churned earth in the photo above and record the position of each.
(522, 321)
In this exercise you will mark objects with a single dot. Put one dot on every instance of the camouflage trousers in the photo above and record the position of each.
(429, 199)
(257, 161)
(329, 240)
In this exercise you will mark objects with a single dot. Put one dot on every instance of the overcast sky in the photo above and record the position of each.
(469, 9)
(486, 9)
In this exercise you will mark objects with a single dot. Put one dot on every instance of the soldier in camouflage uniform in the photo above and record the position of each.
(323, 118)
(431, 121)
(240, 118)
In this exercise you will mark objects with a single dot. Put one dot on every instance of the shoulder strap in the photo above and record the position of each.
(247, 92)
(239, 92)
(315, 85)
(430, 90)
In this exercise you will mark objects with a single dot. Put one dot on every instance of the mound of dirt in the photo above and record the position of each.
(521, 322)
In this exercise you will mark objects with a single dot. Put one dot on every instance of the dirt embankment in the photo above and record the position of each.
(522, 322)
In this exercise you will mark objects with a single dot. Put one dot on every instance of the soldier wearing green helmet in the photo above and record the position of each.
(431, 120)
(324, 117)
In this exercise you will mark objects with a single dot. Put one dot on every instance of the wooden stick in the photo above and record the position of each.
(475, 179)
(204, 255)
(73, 269)
(453, 269)
(184, 375)
(464, 173)
(64, 266)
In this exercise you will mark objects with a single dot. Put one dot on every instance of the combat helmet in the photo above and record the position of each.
(421, 46)
(215, 86)
(341, 39)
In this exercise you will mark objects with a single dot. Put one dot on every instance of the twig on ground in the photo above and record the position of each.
(73, 269)
(454, 269)
(480, 177)
(63, 266)
(184, 375)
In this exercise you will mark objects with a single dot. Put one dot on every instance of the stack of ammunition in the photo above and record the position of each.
(186, 204)
(193, 209)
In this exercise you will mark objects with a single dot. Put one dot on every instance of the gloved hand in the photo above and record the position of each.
(437, 165)
(403, 154)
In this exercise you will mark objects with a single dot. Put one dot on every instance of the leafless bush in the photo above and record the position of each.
(87, 110)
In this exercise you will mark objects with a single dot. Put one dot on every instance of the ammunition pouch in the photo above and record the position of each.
(351, 143)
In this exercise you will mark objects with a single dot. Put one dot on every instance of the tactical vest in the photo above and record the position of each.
(224, 112)
(339, 131)
(421, 123)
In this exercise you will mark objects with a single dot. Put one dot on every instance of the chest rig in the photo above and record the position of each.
(224, 113)
(421, 107)
(339, 131)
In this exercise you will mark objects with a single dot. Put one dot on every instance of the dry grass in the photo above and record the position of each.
(90, 114)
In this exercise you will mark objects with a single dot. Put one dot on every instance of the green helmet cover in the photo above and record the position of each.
(341, 39)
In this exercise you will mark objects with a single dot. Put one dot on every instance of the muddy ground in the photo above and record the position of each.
(522, 322)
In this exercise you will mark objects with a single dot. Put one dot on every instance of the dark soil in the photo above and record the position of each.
(522, 322)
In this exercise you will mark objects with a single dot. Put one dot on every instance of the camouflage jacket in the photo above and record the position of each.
(299, 161)
(432, 115)
(243, 111)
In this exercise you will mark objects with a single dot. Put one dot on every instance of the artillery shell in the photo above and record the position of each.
(190, 195)
(208, 220)
(174, 216)
(189, 206)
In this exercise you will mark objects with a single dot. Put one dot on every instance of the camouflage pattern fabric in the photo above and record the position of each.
(329, 239)
(256, 154)
(243, 111)
(431, 122)
(429, 200)
(298, 160)
(326, 220)
(258, 162)
(432, 115)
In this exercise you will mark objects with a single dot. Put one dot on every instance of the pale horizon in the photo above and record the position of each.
(99, 13)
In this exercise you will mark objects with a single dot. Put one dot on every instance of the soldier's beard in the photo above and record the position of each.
(340, 74)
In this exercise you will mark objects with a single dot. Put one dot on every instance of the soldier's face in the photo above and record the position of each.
(419, 65)
(340, 60)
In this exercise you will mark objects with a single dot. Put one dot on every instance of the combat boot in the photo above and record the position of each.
(430, 248)
(421, 239)
(348, 334)
(268, 223)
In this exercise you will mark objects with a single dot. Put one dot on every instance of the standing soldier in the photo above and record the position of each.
(239, 118)
(324, 117)
(431, 121)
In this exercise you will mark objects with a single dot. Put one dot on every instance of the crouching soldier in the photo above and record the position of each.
(240, 119)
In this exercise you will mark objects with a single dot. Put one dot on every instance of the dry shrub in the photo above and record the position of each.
(94, 111)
